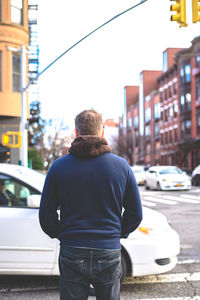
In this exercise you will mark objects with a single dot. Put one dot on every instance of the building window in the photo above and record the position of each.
(162, 138)
(147, 114)
(188, 101)
(188, 124)
(157, 111)
(161, 96)
(197, 59)
(182, 103)
(170, 91)
(198, 121)
(129, 122)
(175, 110)
(170, 136)
(136, 122)
(197, 84)
(165, 61)
(147, 131)
(187, 73)
(165, 94)
(166, 137)
(17, 12)
(157, 130)
(175, 134)
(171, 112)
(166, 115)
(147, 98)
(175, 88)
(15, 72)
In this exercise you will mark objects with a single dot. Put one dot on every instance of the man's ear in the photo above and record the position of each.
(76, 132)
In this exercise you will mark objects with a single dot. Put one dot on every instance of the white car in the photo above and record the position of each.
(196, 176)
(26, 249)
(139, 173)
(167, 178)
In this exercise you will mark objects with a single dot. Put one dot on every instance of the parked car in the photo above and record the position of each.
(167, 178)
(139, 173)
(26, 249)
(196, 176)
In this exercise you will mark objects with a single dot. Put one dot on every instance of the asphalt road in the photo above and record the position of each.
(183, 282)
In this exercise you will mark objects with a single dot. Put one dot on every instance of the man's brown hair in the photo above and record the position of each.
(89, 122)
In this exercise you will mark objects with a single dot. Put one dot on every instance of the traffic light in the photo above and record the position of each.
(11, 139)
(180, 8)
(195, 11)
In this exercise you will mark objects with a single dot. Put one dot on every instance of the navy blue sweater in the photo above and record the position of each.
(90, 193)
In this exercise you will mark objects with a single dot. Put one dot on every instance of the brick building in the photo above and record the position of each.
(167, 111)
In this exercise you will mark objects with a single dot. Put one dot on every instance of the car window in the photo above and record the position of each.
(170, 171)
(14, 193)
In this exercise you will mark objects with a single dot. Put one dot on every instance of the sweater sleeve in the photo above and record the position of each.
(48, 215)
(132, 215)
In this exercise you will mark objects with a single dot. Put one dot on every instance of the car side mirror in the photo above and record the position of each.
(33, 201)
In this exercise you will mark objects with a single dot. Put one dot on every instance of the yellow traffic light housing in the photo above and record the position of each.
(11, 139)
(180, 8)
(195, 11)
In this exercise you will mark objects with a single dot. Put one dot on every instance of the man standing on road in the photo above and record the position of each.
(90, 185)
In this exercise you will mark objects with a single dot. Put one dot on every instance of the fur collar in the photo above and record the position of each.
(89, 146)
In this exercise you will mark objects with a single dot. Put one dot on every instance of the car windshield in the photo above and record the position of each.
(170, 171)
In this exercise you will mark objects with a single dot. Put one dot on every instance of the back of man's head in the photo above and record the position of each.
(89, 122)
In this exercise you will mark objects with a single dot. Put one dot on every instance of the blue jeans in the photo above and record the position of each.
(81, 267)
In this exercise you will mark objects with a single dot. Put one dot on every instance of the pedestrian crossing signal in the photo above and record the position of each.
(11, 139)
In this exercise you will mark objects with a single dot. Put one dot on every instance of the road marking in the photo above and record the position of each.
(172, 298)
(177, 198)
(160, 200)
(188, 261)
(191, 197)
(147, 203)
(178, 277)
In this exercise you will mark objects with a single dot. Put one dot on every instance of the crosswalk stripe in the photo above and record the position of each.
(167, 278)
(191, 197)
(147, 203)
(161, 200)
(180, 199)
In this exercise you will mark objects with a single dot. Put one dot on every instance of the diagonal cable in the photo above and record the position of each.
(82, 39)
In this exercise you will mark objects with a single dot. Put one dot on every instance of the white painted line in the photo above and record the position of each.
(147, 203)
(165, 278)
(177, 198)
(188, 261)
(172, 298)
(160, 200)
(197, 198)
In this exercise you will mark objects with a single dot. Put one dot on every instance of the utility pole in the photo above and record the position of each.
(24, 136)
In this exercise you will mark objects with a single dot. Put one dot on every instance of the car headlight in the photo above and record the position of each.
(165, 180)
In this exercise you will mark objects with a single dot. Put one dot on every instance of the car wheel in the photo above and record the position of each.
(158, 186)
(146, 186)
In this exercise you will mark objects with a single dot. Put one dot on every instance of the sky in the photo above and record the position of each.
(94, 73)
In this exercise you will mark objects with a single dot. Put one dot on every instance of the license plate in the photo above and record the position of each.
(179, 184)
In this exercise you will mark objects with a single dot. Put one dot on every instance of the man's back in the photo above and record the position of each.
(91, 192)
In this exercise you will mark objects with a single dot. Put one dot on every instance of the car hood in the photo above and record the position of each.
(174, 177)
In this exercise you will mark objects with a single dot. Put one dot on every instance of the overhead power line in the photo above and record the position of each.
(86, 36)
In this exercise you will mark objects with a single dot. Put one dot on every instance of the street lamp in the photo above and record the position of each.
(23, 87)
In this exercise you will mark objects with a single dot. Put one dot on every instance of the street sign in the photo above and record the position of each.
(11, 139)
